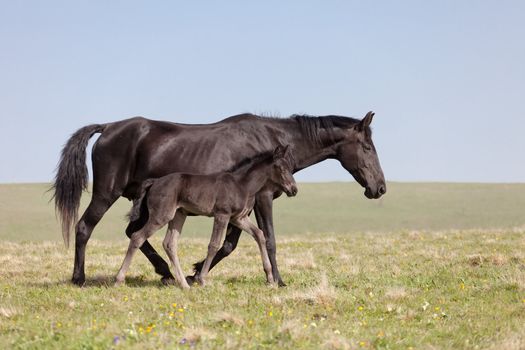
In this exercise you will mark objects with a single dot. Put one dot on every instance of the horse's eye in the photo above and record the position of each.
(367, 147)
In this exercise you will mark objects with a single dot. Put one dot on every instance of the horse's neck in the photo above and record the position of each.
(308, 152)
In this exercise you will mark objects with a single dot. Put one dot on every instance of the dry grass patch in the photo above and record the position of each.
(8, 311)
(323, 294)
(303, 261)
(396, 293)
(513, 341)
(225, 317)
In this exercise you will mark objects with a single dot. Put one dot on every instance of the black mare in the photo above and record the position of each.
(133, 150)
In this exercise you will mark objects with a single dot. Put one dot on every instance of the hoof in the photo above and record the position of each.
(194, 280)
(280, 283)
(119, 283)
(191, 280)
(168, 281)
(198, 280)
(79, 281)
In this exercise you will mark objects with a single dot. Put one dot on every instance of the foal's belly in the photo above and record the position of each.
(196, 209)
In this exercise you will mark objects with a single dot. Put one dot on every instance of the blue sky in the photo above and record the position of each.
(445, 78)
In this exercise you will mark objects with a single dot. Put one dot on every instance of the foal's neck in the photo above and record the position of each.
(255, 177)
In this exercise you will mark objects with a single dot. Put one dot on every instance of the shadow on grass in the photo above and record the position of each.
(246, 281)
(107, 281)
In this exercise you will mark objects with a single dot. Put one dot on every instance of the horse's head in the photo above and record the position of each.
(358, 156)
(281, 172)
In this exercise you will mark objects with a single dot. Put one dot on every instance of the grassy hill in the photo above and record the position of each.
(26, 213)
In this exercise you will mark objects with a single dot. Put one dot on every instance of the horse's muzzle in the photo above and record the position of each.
(371, 194)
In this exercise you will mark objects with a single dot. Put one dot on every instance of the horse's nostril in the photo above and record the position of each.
(382, 190)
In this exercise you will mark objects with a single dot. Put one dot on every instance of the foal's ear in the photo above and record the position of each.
(366, 121)
(280, 152)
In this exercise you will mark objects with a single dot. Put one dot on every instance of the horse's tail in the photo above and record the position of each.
(137, 208)
(72, 177)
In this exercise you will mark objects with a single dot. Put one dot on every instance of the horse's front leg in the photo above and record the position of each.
(264, 215)
(247, 225)
(219, 227)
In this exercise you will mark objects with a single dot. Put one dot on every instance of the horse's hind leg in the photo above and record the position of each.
(161, 267)
(94, 212)
(247, 225)
(170, 245)
(219, 225)
(137, 239)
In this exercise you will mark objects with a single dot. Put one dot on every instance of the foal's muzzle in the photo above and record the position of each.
(291, 191)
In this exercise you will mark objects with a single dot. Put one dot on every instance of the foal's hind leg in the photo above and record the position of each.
(247, 225)
(219, 226)
(161, 267)
(170, 246)
(137, 239)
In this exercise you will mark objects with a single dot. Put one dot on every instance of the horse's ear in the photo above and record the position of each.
(280, 152)
(366, 121)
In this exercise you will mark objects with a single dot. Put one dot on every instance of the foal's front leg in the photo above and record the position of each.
(170, 245)
(219, 226)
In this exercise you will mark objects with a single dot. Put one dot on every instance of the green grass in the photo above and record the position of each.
(456, 289)
(26, 214)
(425, 268)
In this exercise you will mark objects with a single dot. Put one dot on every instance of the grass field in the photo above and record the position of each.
(432, 266)
(27, 215)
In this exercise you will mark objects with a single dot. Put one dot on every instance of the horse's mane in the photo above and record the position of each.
(312, 125)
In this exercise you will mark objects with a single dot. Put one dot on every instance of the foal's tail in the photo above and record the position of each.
(135, 212)
(72, 177)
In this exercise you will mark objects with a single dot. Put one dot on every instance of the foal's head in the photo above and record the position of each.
(281, 171)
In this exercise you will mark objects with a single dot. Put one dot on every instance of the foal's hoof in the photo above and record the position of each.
(119, 283)
(168, 281)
